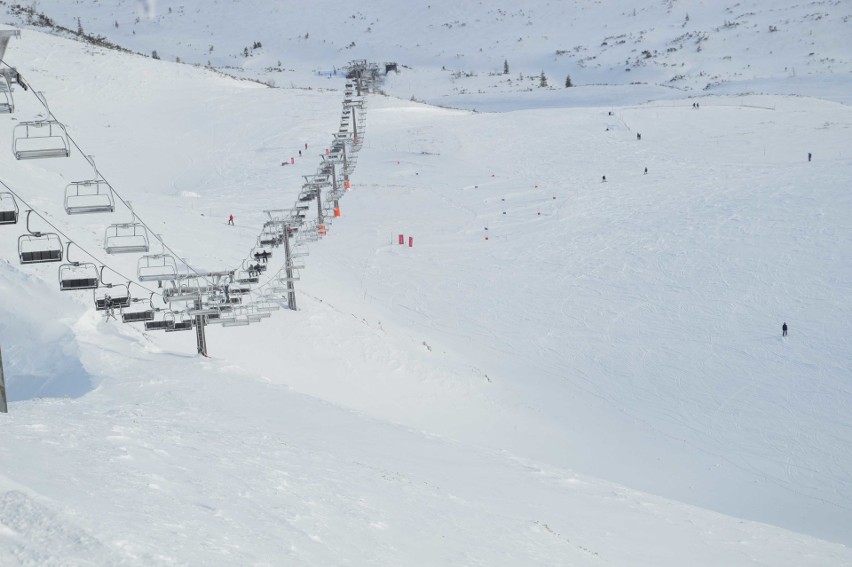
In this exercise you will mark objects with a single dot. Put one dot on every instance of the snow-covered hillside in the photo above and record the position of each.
(454, 53)
(559, 371)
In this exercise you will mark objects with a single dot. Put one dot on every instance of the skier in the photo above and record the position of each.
(646, 171)
(638, 136)
(809, 156)
(784, 329)
(306, 145)
(300, 153)
(603, 179)
(231, 220)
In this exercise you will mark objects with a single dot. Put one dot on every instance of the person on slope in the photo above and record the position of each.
(784, 329)
(231, 220)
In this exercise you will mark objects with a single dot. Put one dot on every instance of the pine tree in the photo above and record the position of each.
(154, 55)
(79, 27)
(505, 66)
(543, 80)
(568, 82)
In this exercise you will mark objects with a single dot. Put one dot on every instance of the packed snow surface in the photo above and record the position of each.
(559, 370)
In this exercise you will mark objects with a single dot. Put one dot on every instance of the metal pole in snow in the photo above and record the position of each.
(200, 334)
(3, 407)
(334, 185)
(288, 264)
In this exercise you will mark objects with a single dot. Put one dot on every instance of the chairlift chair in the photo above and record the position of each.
(8, 209)
(164, 324)
(74, 276)
(39, 247)
(126, 238)
(185, 324)
(113, 297)
(156, 268)
(266, 305)
(187, 289)
(40, 139)
(138, 315)
(261, 253)
(244, 278)
(91, 196)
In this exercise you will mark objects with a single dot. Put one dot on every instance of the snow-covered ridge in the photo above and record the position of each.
(457, 51)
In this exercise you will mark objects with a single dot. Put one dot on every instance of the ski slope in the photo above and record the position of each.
(601, 381)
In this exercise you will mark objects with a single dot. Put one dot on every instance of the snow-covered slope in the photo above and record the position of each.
(598, 382)
(454, 53)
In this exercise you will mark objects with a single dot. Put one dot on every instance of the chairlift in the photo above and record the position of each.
(156, 268)
(7, 101)
(187, 289)
(114, 297)
(261, 253)
(204, 310)
(111, 296)
(164, 324)
(8, 209)
(266, 305)
(248, 274)
(40, 139)
(185, 324)
(91, 196)
(238, 290)
(39, 247)
(126, 238)
(74, 276)
(140, 315)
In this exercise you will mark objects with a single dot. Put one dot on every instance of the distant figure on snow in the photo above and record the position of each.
(784, 329)
(809, 156)
(306, 145)
(638, 136)
(231, 220)
(646, 171)
(300, 153)
(603, 179)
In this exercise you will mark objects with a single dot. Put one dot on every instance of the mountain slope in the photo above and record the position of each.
(456, 401)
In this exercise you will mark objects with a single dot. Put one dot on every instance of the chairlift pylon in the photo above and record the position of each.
(7, 101)
(8, 209)
(39, 247)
